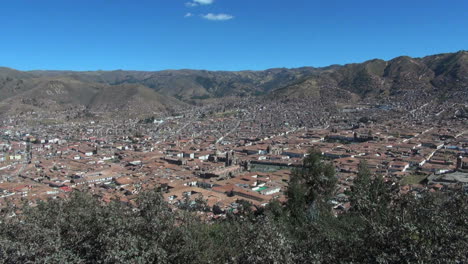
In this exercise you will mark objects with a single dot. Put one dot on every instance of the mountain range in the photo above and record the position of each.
(402, 78)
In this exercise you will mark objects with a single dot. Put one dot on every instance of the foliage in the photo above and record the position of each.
(370, 195)
(404, 229)
(311, 187)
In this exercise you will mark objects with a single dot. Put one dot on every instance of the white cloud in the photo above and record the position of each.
(217, 17)
(199, 2)
(203, 2)
(188, 15)
(191, 4)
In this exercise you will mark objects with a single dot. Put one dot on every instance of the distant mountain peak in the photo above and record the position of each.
(141, 91)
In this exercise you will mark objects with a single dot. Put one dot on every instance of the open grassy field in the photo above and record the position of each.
(412, 179)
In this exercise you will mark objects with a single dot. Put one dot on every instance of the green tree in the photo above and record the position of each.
(312, 186)
(361, 187)
(369, 195)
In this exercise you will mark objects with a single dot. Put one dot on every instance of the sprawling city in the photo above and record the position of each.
(226, 153)
(249, 132)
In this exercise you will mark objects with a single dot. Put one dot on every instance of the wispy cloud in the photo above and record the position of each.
(199, 2)
(217, 17)
(203, 2)
(209, 16)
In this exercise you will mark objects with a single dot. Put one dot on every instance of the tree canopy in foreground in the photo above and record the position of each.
(378, 228)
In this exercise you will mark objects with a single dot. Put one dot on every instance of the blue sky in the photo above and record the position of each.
(223, 34)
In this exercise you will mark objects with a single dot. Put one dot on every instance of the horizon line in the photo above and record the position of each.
(219, 70)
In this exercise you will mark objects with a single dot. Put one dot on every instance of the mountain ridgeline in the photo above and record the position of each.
(403, 78)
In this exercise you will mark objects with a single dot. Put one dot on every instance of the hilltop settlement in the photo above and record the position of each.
(225, 138)
(227, 157)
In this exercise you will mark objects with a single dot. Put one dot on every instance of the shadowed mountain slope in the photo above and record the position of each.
(442, 75)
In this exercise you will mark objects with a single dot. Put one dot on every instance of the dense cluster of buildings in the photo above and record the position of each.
(225, 157)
